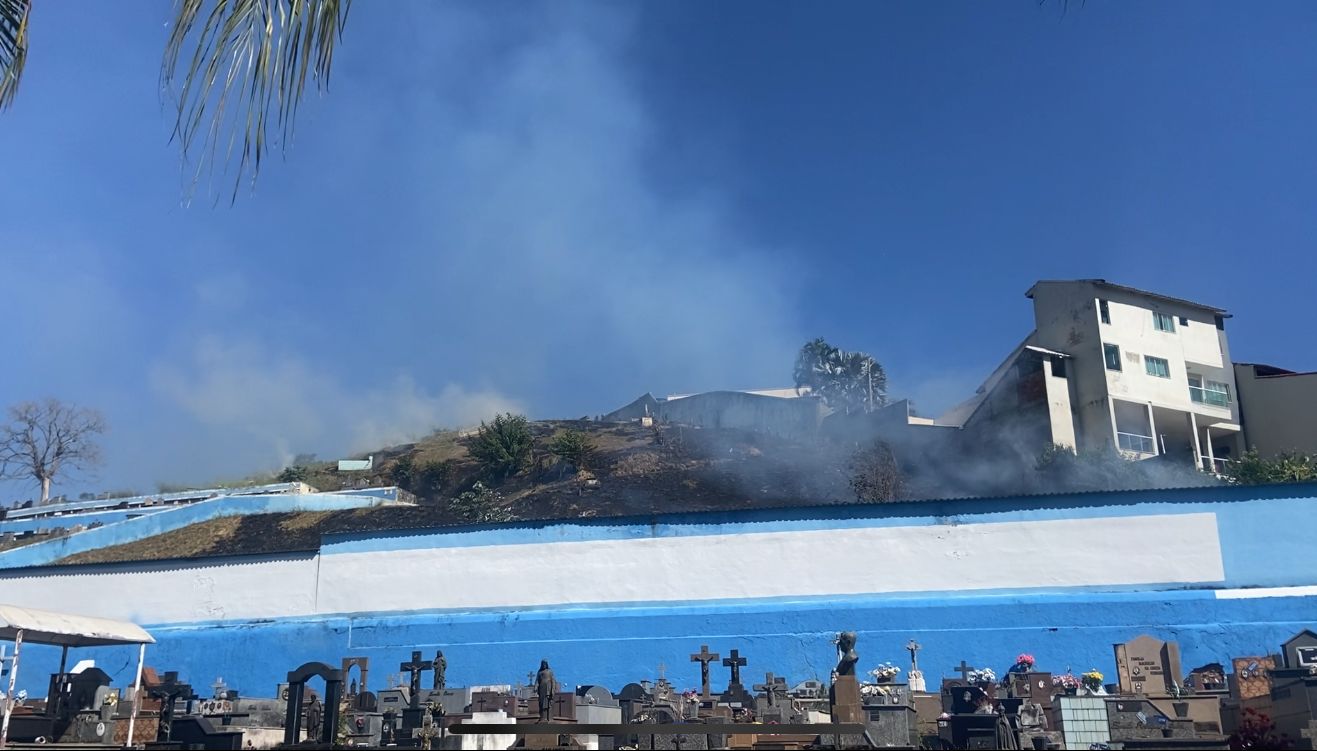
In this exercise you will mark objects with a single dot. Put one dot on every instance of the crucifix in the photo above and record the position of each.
(735, 661)
(964, 669)
(771, 686)
(704, 657)
(912, 646)
(415, 668)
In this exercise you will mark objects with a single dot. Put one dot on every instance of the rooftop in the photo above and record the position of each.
(1133, 290)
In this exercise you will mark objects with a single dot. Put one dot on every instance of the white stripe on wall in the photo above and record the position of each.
(1249, 594)
(1108, 551)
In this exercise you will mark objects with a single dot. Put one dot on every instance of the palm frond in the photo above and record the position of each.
(13, 47)
(245, 76)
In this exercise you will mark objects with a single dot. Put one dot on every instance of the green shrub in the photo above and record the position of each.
(503, 447)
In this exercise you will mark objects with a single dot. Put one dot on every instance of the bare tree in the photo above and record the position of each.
(46, 439)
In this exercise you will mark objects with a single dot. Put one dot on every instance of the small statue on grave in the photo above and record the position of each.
(427, 732)
(314, 718)
(544, 688)
(846, 657)
(440, 668)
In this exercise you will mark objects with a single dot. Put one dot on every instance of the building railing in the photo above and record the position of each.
(1215, 465)
(1142, 444)
(1209, 396)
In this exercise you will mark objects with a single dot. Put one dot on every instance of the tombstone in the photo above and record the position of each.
(736, 693)
(704, 657)
(1148, 666)
(414, 668)
(1299, 652)
(168, 691)
(1207, 679)
(296, 690)
(915, 678)
(1251, 677)
(595, 705)
(1035, 687)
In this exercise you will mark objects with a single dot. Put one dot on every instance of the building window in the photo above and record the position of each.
(1104, 311)
(1184, 321)
(1157, 366)
(1204, 391)
(1058, 367)
(1112, 353)
(1163, 322)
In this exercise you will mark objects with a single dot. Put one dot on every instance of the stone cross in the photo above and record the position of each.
(428, 731)
(704, 657)
(964, 669)
(772, 686)
(735, 661)
(415, 668)
(912, 647)
(219, 688)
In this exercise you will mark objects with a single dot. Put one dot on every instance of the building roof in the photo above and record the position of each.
(1261, 370)
(1132, 290)
(62, 629)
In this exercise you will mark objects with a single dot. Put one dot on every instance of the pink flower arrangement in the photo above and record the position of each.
(1024, 660)
(1068, 680)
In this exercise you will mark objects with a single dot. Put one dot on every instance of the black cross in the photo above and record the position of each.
(735, 661)
(415, 668)
(480, 703)
(964, 669)
(704, 657)
(561, 704)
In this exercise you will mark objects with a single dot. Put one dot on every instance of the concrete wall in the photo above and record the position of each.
(131, 530)
(1223, 570)
(1280, 411)
(734, 409)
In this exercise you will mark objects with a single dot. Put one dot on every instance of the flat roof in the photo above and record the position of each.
(65, 630)
(1134, 290)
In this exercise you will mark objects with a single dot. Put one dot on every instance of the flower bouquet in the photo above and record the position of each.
(1024, 662)
(1092, 681)
(885, 672)
(1067, 682)
(982, 677)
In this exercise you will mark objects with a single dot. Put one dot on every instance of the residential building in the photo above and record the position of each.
(1110, 365)
(1279, 408)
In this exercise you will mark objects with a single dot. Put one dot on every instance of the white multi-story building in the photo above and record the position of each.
(1109, 365)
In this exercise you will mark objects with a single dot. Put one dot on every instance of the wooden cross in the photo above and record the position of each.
(964, 669)
(913, 646)
(735, 661)
(415, 668)
(704, 657)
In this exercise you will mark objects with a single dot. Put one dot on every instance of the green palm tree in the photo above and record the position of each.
(238, 70)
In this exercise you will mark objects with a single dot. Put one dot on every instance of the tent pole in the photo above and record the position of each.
(9, 695)
(137, 695)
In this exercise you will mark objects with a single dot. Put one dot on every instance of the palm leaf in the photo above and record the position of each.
(13, 47)
(245, 76)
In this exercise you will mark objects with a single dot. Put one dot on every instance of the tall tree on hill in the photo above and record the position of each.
(846, 381)
(43, 440)
(240, 67)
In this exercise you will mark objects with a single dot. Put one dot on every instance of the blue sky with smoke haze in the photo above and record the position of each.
(555, 207)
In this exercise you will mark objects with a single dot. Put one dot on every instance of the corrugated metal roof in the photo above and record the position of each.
(65, 630)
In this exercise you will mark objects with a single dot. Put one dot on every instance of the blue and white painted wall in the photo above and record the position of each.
(1225, 571)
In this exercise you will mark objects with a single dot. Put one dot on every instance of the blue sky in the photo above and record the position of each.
(554, 208)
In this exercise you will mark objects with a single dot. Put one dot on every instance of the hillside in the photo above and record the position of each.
(635, 471)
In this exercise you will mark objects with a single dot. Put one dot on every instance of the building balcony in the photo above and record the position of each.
(1210, 397)
(1215, 465)
(1139, 444)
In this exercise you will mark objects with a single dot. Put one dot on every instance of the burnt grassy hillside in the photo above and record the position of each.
(635, 470)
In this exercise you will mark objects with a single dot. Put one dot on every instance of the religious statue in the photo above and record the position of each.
(314, 717)
(428, 731)
(544, 688)
(440, 667)
(846, 657)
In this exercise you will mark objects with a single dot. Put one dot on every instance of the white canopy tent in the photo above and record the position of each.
(20, 624)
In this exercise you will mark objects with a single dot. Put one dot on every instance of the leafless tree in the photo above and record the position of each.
(45, 439)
